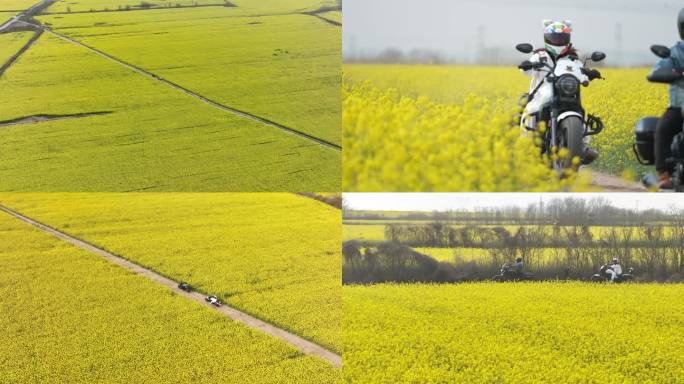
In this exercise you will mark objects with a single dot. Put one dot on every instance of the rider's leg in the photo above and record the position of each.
(590, 154)
(612, 274)
(668, 126)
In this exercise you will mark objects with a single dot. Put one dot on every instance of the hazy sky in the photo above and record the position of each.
(623, 29)
(446, 201)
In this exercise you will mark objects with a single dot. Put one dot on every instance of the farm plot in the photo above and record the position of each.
(155, 138)
(275, 256)
(242, 6)
(538, 257)
(10, 43)
(5, 16)
(513, 333)
(285, 68)
(69, 6)
(70, 316)
(363, 232)
(419, 96)
(16, 5)
(264, 6)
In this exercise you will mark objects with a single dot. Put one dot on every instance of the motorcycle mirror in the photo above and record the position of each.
(524, 47)
(598, 56)
(661, 51)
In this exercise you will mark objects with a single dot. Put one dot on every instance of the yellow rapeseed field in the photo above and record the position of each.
(440, 128)
(274, 255)
(513, 333)
(69, 316)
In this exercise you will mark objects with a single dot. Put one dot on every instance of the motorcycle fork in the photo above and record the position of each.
(554, 135)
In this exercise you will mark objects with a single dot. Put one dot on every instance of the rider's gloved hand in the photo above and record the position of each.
(592, 74)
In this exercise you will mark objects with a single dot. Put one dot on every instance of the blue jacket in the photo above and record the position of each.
(676, 60)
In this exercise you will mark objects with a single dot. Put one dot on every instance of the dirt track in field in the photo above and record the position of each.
(13, 59)
(41, 118)
(301, 344)
(609, 183)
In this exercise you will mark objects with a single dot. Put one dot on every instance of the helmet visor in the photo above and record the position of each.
(557, 38)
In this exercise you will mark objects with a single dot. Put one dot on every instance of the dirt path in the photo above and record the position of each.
(33, 119)
(189, 92)
(611, 183)
(26, 15)
(301, 344)
(333, 22)
(13, 59)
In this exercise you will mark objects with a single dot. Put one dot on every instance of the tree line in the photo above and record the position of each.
(561, 211)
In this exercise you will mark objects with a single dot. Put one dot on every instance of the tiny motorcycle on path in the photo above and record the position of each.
(603, 276)
(510, 273)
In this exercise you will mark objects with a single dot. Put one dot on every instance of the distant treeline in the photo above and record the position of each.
(378, 262)
(566, 211)
(440, 235)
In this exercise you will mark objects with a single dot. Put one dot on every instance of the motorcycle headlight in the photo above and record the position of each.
(568, 85)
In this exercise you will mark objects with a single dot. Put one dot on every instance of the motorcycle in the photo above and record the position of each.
(604, 276)
(556, 101)
(644, 132)
(185, 287)
(213, 300)
(509, 273)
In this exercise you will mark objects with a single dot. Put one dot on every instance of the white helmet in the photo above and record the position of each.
(557, 36)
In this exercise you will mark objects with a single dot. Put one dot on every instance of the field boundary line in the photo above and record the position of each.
(333, 202)
(13, 59)
(196, 95)
(305, 346)
(332, 22)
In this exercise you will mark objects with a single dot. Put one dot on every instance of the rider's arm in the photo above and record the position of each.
(535, 58)
(663, 63)
(676, 90)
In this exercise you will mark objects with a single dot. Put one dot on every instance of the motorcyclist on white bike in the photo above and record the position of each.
(614, 270)
(557, 45)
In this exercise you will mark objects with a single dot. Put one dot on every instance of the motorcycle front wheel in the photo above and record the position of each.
(596, 279)
(573, 132)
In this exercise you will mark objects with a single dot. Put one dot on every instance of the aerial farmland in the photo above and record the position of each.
(97, 279)
(170, 96)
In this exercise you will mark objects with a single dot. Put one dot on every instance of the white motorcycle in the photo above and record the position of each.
(556, 102)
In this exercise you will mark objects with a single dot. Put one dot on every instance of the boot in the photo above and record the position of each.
(590, 155)
(665, 180)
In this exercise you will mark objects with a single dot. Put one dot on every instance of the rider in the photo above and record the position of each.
(557, 45)
(671, 122)
(614, 269)
(518, 266)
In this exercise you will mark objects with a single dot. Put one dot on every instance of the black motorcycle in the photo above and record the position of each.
(556, 101)
(644, 133)
(185, 287)
(604, 276)
(510, 273)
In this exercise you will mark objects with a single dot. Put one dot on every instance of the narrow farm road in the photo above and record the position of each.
(611, 183)
(22, 18)
(194, 94)
(301, 344)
